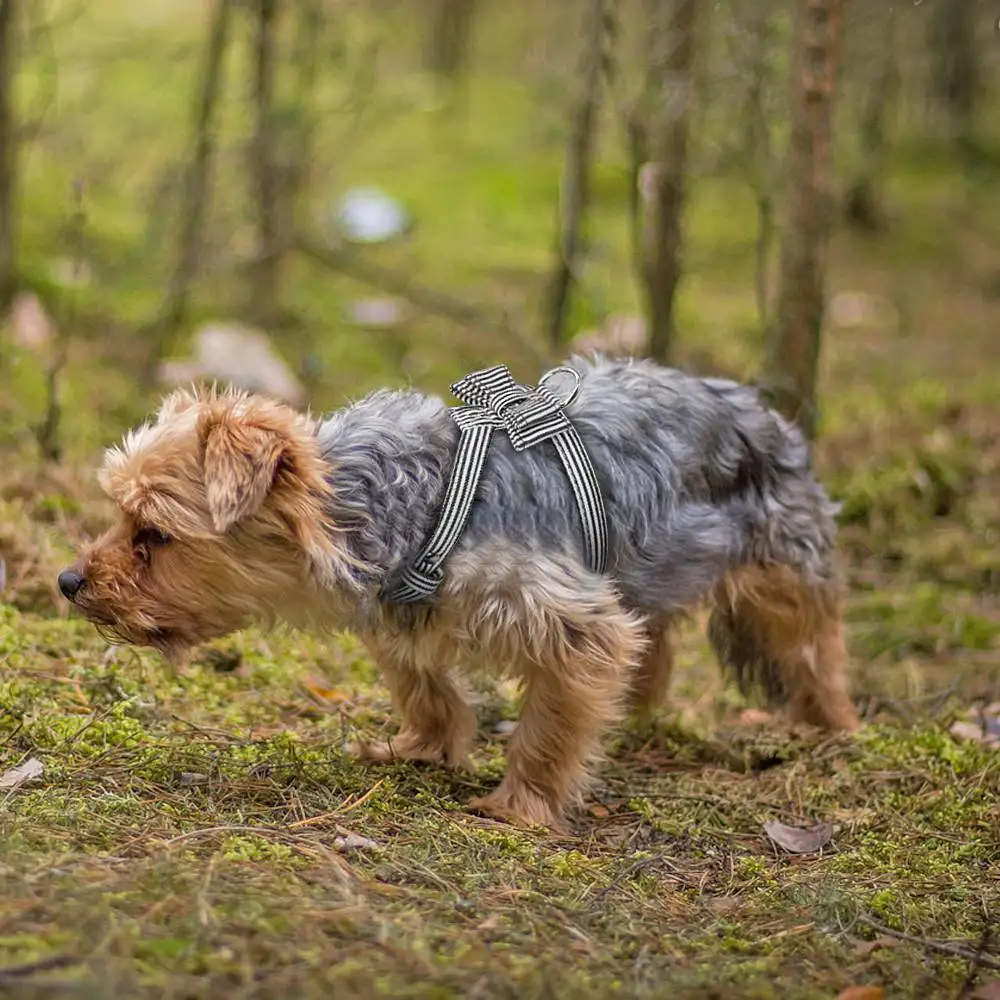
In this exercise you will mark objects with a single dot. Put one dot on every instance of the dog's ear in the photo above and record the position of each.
(240, 461)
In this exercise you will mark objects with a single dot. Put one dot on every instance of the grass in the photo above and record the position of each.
(203, 833)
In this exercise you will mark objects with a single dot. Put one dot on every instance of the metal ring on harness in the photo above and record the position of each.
(569, 371)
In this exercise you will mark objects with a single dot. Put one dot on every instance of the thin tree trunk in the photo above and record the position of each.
(863, 200)
(672, 92)
(795, 344)
(196, 188)
(8, 152)
(265, 273)
(306, 51)
(637, 140)
(758, 150)
(957, 73)
(448, 44)
(575, 193)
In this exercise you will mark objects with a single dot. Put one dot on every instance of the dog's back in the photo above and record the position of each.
(697, 476)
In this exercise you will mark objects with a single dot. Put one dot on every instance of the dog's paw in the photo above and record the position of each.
(407, 747)
(521, 807)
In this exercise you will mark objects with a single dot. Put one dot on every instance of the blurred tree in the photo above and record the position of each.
(263, 168)
(753, 56)
(956, 70)
(300, 118)
(664, 119)
(196, 188)
(575, 189)
(794, 346)
(880, 86)
(449, 36)
(8, 151)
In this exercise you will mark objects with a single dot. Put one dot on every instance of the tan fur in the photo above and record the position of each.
(224, 521)
(798, 629)
(188, 476)
(574, 652)
(652, 677)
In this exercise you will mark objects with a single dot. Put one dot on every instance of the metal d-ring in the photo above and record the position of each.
(569, 371)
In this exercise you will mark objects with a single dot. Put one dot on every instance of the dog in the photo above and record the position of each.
(236, 509)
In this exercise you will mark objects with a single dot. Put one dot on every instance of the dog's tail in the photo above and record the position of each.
(780, 635)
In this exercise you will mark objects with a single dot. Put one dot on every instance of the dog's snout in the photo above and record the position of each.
(70, 583)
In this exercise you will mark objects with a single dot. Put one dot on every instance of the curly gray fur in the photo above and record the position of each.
(698, 477)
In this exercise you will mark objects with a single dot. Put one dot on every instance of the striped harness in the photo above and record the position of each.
(529, 415)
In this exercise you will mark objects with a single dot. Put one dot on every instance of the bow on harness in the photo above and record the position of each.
(528, 415)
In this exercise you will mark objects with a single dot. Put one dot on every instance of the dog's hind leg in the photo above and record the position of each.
(651, 679)
(778, 632)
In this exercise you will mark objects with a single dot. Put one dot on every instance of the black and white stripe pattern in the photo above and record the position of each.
(529, 415)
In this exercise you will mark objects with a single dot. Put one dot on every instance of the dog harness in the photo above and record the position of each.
(529, 415)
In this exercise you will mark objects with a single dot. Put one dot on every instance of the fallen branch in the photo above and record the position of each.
(973, 973)
(429, 300)
(41, 965)
(929, 944)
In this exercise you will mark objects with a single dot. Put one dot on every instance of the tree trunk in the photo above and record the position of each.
(863, 207)
(670, 91)
(265, 273)
(795, 344)
(450, 26)
(8, 152)
(196, 188)
(759, 152)
(575, 193)
(956, 67)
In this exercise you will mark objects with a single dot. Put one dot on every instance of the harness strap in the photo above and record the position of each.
(529, 415)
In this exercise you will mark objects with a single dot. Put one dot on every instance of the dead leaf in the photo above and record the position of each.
(322, 691)
(798, 841)
(724, 903)
(355, 842)
(861, 993)
(17, 776)
(990, 990)
(882, 941)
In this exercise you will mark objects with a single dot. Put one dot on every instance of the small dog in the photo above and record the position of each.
(237, 509)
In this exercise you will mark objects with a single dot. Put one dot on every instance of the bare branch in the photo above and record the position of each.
(48, 432)
(427, 299)
(196, 188)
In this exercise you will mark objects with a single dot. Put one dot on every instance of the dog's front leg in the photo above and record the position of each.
(576, 677)
(437, 724)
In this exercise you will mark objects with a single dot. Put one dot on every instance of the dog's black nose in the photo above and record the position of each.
(70, 583)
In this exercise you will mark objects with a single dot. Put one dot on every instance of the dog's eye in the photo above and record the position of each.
(149, 537)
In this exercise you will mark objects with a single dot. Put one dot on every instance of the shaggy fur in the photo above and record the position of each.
(237, 509)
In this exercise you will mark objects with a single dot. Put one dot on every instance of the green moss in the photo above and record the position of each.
(136, 850)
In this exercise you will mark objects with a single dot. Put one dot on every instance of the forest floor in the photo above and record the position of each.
(203, 834)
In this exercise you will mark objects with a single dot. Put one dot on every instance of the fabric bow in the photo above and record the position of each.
(529, 414)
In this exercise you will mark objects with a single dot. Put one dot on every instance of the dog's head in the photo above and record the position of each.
(222, 520)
